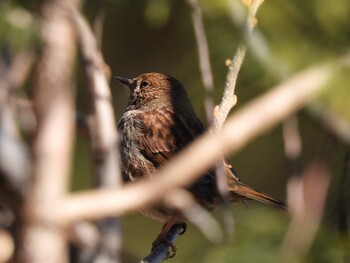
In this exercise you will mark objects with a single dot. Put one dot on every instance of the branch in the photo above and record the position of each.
(103, 131)
(181, 200)
(306, 200)
(52, 148)
(161, 251)
(106, 137)
(203, 54)
(229, 99)
(13, 178)
(331, 122)
(7, 246)
(254, 119)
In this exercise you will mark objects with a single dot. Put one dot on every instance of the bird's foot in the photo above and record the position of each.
(183, 228)
(162, 238)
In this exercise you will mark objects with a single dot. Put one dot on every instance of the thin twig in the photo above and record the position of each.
(292, 144)
(229, 99)
(203, 55)
(252, 120)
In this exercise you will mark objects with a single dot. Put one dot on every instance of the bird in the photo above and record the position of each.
(159, 121)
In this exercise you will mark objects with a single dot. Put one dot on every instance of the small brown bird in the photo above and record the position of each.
(159, 121)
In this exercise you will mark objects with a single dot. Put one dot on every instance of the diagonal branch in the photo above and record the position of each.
(161, 252)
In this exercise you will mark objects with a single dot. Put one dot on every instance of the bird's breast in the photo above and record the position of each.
(133, 164)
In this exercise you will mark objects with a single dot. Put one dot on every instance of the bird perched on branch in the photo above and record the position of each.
(159, 121)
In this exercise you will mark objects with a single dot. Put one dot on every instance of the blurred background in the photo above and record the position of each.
(140, 36)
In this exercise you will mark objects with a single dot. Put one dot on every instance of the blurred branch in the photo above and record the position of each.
(103, 131)
(52, 148)
(203, 54)
(181, 200)
(306, 200)
(98, 23)
(7, 246)
(87, 238)
(14, 154)
(331, 122)
(292, 144)
(252, 120)
(24, 110)
(20, 68)
(344, 199)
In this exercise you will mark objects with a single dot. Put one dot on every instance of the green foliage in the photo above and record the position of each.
(337, 97)
(258, 236)
(18, 27)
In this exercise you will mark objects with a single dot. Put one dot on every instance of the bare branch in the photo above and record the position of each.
(106, 134)
(103, 132)
(254, 119)
(229, 99)
(203, 54)
(161, 251)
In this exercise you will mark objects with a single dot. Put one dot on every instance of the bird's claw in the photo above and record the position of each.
(162, 239)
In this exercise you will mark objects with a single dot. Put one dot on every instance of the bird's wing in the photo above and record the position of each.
(164, 134)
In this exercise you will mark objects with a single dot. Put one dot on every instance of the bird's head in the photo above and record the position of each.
(153, 88)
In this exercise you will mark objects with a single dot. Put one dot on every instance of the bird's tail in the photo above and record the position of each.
(240, 189)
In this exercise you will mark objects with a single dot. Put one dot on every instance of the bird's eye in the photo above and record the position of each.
(144, 84)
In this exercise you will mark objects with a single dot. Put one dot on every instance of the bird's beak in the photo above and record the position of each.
(127, 82)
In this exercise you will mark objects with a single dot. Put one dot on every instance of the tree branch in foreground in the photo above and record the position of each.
(306, 200)
(52, 148)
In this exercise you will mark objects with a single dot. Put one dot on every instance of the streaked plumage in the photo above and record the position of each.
(159, 121)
